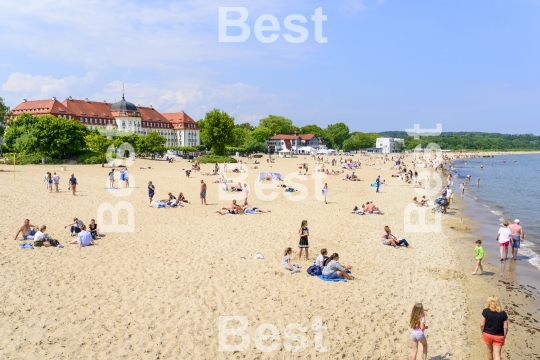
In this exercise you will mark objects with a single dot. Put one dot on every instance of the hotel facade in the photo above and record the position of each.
(121, 117)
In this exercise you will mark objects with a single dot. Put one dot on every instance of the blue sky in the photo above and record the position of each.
(469, 65)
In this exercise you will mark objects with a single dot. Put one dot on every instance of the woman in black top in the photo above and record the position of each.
(494, 327)
(93, 229)
(304, 233)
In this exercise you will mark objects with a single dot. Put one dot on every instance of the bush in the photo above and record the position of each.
(29, 159)
(234, 150)
(212, 159)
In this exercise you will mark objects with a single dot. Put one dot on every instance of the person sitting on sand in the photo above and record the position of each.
(94, 231)
(359, 211)
(293, 268)
(84, 238)
(237, 187)
(388, 239)
(417, 202)
(372, 209)
(75, 226)
(334, 270)
(319, 261)
(236, 170)
(42, 237)
(182, 199)
(26, 230)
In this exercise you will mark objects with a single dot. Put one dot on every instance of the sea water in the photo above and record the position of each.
(508, 190)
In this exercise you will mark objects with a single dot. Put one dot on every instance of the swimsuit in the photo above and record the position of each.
(304, 239)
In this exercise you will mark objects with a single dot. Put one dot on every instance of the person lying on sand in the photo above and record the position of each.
(248, 209)
(388, 239)
(334, 270)
(372, 209)
(26, 230)
(359, 211)
(234, 209)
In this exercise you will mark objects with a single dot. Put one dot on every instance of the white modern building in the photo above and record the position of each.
(390, 145)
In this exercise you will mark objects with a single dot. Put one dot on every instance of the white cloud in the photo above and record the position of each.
(43, 86)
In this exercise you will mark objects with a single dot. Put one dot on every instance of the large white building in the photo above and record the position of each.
(390, 145)
(121, 117)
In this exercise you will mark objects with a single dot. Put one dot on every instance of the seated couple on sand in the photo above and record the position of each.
(372, 209)
(388, 239)
(331, 269)
(352, 177)
(421, 202)
(333, 172)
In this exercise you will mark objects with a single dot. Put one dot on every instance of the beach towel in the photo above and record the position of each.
(331, 280)
(26, 246)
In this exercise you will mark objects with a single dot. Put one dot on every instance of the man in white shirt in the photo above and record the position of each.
(56, 181)
(84, 238)
(503, 237)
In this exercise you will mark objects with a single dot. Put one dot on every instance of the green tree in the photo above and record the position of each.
(217, 131)
(98, 144)
(255, 146)
(277, 124)
(260, 134)
(337, 134)
(246, 126)
(59, 136)
(240, 136)
(155, 142)
(312, 129)
(359, 140)
(4, 112)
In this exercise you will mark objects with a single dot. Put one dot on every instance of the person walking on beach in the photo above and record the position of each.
(494, 327)
(203, 193)
(111, 179)
(56, 181)
(479, 255)
(378, 183)
(245, 190)
(462, 190)
(325, 192)
(151, 191)
(478, 182)
(49, 181)
(304, 244)
(503, 237)
(417, 323)
(517, 236)
(73, 184)
(126, 178)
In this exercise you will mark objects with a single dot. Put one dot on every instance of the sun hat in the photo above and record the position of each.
(516, 221)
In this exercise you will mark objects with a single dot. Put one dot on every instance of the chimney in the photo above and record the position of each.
(104, 101)
(151, 107)
(54, 98)
(86, 99)
(70, 98)
(24, 100)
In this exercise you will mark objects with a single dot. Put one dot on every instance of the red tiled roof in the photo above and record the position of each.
(91, 109)
(38, 107)
(283, 137)
(307, 136)
(181, 120)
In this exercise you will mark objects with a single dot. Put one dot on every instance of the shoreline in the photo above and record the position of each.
(519, 299)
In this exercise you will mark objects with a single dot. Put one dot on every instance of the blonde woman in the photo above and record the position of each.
(494, 327)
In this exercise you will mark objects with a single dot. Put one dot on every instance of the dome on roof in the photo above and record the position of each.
(123, 105)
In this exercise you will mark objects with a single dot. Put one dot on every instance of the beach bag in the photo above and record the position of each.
(314, 270)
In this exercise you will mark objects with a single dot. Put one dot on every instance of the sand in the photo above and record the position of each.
(158, 292)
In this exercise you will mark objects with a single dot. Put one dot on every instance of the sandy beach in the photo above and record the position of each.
(158, 292)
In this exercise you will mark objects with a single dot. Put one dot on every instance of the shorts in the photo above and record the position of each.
(385, 242)
(497, 340)
(332, 276)
(504, 244)
(203, 194)
(73, 187)
(418, 336)
(516, 242)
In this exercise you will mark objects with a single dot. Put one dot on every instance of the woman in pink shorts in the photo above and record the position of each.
(494, 327)
(503, 237)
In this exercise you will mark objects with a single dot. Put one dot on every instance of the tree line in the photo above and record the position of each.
(473, 141)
